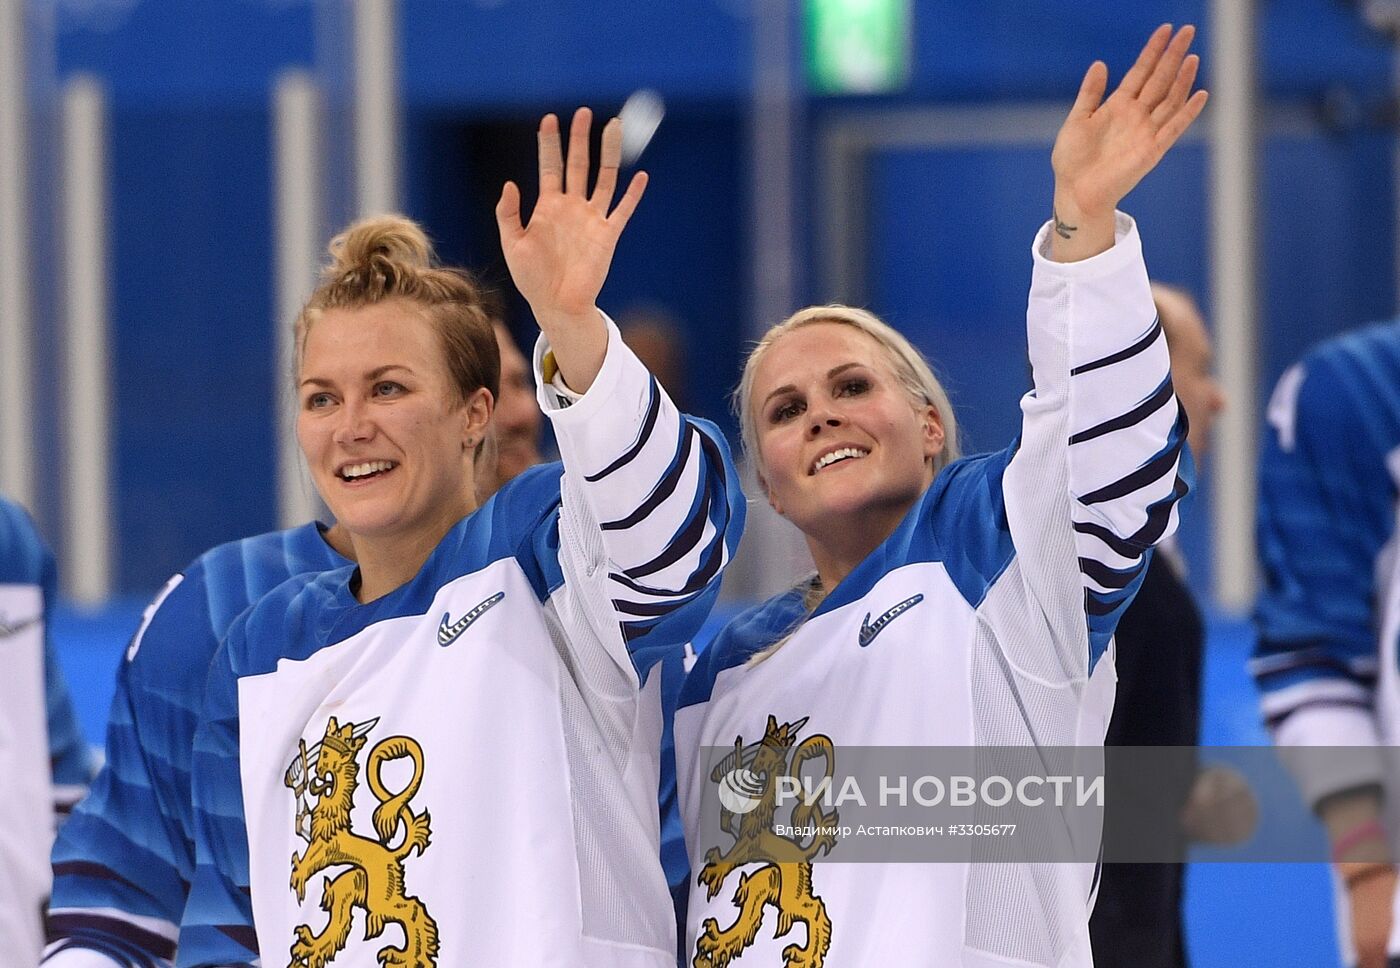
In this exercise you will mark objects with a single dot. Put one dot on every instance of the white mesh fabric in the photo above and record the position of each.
(1016, 908)
(622, 891)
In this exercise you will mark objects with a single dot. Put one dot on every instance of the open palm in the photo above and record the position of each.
(1105, 147)
(560, 261)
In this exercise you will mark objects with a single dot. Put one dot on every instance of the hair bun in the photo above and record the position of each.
(378, 249)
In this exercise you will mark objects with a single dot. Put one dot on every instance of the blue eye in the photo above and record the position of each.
(388, 388)
(318, 401)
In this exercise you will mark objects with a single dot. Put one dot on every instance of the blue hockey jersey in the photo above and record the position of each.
(43, 758)
(123, 863)
(1325, 658)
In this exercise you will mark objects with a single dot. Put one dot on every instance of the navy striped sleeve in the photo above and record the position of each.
(1102, 423)
(661, 492)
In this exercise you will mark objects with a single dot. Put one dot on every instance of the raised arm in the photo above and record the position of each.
(1105, 147)
(1102, 433)
(559, 262)
(645, 487)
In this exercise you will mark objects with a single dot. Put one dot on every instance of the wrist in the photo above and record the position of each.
(1069, 207)
(1077, 233)
(1355, 874)
(557, 320)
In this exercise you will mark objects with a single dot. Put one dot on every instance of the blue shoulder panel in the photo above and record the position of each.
(23, 558)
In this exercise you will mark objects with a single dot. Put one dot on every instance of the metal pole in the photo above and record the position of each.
(87, 351)
(772, 119)
(296, 121)
(17, 472)
(773, 552)
(1234, 304)
(376, 108)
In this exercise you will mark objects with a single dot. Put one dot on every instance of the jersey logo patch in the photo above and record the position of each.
(9, 628)
(869, 631)
(448, 631)
(785, 879)
(329, 772)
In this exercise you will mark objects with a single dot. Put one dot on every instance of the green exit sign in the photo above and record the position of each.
(858, 46)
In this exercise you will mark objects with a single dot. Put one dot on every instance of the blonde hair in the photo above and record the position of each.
(911, 369)
(909, 365)
(387, 257)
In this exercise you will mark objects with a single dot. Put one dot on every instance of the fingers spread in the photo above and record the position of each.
(609, 161)
(1175, 126)
(551, 158)
(1091, 89)
(576, 178)
(1167, 67)
(1137, 76)
(1180, 90)
(628, 203)
(508, 213)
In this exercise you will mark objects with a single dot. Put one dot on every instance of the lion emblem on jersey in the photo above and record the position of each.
(374, 881)
(748, 779)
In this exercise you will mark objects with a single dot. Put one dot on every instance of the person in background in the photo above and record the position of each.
(44, 763)
(517, 416)
(657, 338)
(123, 864)
(1327, 620)
(1158, 654)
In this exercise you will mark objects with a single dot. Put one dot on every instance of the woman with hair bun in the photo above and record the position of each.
(956, 603)
(448, 754)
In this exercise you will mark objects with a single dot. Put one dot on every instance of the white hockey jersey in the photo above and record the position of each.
(984, 620)
(464, 772)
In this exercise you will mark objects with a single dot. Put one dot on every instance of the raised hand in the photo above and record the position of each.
(1105, 147)
(559, 262)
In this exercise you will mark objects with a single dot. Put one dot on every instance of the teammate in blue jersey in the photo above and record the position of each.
(956, 603)
(1325, 656)
(449, 754)
(123, 864)
(46, 765)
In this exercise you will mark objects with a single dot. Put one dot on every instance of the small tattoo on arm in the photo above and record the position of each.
(1063, 230)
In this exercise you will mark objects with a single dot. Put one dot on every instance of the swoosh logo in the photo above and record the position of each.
(448, 631)
(7, 629)
(868, 631)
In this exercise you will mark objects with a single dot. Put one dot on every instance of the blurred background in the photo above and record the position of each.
(171, 169)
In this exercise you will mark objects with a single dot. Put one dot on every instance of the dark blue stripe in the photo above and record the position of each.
(1106, 576)
(1151, 405)
(94, 929)
(682, 545)
(686, 541)
(1122, 355)
(1154, 470)
(709, 567)
(664, 489)
(1272, 722)
(653, 408)
(1118, 545)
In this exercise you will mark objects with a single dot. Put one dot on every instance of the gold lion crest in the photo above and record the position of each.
(748, 786)
(374, 883)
